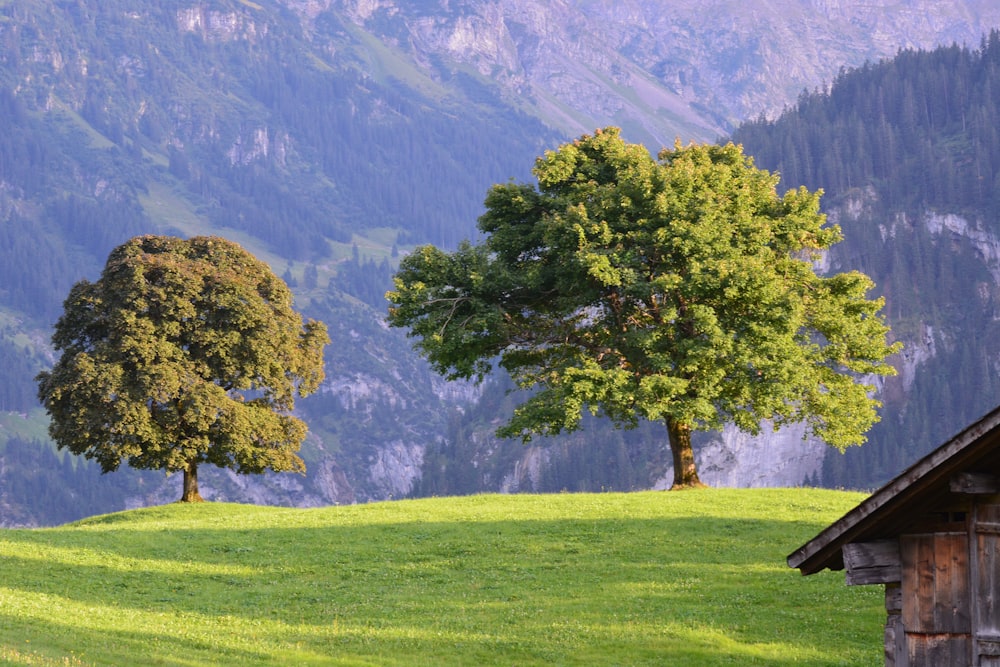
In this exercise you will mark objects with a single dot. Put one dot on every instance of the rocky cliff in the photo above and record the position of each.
(660, 70)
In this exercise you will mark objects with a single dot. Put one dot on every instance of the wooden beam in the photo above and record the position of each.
(875, 562)
(893, 598)
(988, 647)
(895, 633)
(977, 483)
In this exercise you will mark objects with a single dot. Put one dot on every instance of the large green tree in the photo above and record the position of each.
(183, 352)
(681, 289)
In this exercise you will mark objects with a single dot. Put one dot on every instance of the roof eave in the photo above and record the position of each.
(824, 550)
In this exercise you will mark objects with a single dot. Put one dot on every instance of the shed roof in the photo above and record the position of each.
(916, 490)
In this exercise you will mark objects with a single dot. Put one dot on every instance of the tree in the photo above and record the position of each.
(680, 290)
(183, 352)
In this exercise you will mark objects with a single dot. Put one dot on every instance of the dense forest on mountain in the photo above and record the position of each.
(923, 128)
(597, 458)
(64, 488)
(329, 146)
(296, 152)
(231, 118)
(897, 145)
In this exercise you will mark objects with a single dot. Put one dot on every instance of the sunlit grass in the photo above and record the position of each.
(694, 578)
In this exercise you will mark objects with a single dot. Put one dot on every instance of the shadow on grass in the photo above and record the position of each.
(61, 644)
(628, 591)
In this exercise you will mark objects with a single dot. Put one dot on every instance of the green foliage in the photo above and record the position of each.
(184, 352)
(680, 290)
(696, 578)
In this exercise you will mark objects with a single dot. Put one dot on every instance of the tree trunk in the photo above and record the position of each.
(685, 470)
(191, 494)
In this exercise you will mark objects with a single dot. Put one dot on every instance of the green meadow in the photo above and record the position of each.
(652, 578)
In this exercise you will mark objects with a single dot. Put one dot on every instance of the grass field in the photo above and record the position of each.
(652, 578)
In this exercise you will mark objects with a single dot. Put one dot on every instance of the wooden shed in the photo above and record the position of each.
(931, 536)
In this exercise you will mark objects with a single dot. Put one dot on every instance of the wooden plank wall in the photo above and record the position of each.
(985, 563)
(936, 600)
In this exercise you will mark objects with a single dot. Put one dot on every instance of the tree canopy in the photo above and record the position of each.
(183, 352)
(681, 289)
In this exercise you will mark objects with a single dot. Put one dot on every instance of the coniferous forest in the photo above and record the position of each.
(899, 146)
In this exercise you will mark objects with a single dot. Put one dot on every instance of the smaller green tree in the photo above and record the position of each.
(680, 290)
(184, 352)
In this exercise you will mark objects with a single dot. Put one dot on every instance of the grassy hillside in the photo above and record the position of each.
(653, 578)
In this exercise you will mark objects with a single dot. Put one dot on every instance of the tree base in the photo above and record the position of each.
(688, 485)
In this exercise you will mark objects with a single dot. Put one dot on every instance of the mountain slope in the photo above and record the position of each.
(659, 70)
(328, 136)
(230, 119)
